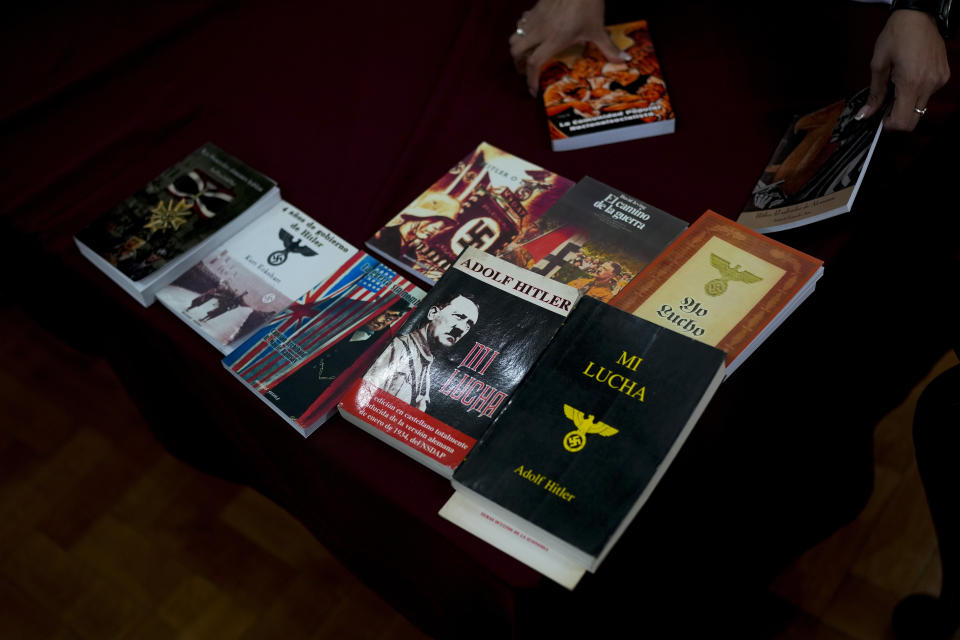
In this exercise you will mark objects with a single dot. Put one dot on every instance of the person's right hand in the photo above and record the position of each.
(553, 25)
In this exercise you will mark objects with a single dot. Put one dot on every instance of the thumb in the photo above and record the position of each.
(607, 48)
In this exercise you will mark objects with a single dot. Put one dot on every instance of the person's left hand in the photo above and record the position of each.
(910, 53)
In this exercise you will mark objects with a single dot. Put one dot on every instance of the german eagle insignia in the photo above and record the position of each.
(577, 439)
(290, 245)
(727, 273)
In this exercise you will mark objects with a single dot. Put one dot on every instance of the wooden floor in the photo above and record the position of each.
(105, 535)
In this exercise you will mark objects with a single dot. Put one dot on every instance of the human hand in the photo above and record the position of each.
(553, 25)
(910, 53)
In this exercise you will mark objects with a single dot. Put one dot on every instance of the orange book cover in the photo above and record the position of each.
(722, 284)
(591, 101)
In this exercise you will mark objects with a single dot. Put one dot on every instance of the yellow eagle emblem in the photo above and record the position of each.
(727, 273)
(577, 439)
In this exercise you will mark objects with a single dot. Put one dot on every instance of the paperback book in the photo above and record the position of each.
(485, 201)
(595, 238)
(587, 436)
(722, 284)
(255, 274)
(162, 230)
(816, 169)
(435, 388)
(591, 101)
(302, 361)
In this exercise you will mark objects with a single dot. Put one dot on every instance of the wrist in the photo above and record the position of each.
(939, 10)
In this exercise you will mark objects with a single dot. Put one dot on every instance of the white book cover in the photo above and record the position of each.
(258, 272)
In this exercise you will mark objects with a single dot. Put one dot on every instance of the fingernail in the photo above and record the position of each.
(626, 57)
(861, 114)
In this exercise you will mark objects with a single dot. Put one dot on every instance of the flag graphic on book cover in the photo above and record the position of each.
(485, 201)
(303, 358)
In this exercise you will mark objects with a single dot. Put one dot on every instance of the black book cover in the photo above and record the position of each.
(593, 426)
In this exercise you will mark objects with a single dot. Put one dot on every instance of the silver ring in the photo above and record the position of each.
(520, 31)
(920, 110)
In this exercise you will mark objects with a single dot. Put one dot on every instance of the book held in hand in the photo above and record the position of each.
(485, 201)
(722, 284)
(155, 235)
(587, 436)
(256, 273)
(302, 361)
(595, 238)
(816, 169)
(435, 388)
(591, 101)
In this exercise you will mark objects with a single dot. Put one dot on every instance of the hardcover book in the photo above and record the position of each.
(584, 441)
(486, 201)
(302, 361)
(816, 169)
(591, 101)
(158, 233)
(436, 387)
(722, 284)
(595, 238)
(256, 273)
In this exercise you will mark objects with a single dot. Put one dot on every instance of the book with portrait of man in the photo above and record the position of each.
(435, 388)
(302, 361)
(485, 201)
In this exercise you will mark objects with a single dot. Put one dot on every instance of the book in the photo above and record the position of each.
(587, 436)
(595, 238)
(591, 101)
(816, 169)
(484, 201)
(255, 274)
(436, 387)
(722, 284)
(302, 361)
(155, 235)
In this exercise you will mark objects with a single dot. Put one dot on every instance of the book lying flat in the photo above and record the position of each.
(587, 436)
(302, 361)
(435, 388)
(485, 201)
(255, 274)
(155, 235)
(595, 238)
(591, 101)
(816, 169)
(722, 284)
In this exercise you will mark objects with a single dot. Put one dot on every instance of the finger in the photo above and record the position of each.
(537, 58)
(608, 49)
(879, 79)
(904, 115)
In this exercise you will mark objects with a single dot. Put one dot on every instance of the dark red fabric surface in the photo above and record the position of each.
(354, 109)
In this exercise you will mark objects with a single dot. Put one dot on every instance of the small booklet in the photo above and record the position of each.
(486, 201)
(722, 284)
(155, 235)
(595, 238)
(302, 361)
(255, 274)
(816, 169)
(564, 469)
(591, 101)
